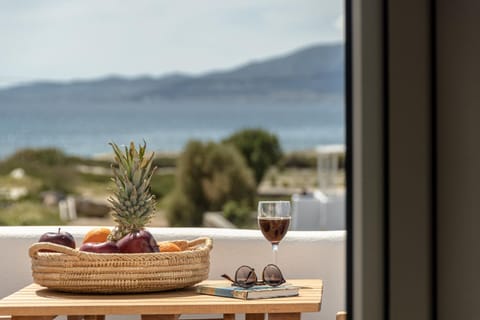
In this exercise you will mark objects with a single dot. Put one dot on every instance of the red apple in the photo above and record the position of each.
(60, 237)
(138, 242)
(100, 247)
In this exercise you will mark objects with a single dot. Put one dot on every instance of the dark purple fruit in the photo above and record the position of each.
(60, 237)
(138, 242)
(100, 247)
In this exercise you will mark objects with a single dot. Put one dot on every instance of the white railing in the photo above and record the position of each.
(303, 254)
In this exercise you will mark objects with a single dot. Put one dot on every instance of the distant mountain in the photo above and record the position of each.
(309, 73)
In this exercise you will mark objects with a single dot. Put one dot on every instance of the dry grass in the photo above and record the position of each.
(296, 179)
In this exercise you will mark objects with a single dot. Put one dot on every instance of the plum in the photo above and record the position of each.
(140, 241)
(100, 247)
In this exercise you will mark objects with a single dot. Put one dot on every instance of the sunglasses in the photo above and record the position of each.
(245, 277)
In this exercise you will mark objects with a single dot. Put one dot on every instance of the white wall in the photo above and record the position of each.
(318, 211)
(302, 254)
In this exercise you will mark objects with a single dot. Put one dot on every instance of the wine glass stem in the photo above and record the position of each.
(275, 252)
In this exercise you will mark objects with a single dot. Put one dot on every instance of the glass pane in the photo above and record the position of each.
(241, 101)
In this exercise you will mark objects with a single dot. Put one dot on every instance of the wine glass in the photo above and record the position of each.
(274, 219)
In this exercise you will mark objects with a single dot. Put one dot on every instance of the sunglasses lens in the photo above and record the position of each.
(272, 275)
(245, 276)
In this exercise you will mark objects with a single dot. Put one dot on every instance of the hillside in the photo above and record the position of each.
(308, 73)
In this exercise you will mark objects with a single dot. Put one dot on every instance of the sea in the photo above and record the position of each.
(86, 128)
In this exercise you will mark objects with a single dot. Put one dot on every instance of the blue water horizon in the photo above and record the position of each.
(85, 128)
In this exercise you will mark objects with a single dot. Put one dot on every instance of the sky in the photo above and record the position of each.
(66, 39)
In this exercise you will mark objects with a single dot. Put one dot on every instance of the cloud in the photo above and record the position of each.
(56, 39)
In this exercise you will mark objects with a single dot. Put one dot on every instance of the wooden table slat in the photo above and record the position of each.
(160, 316)
(33, 317)
(35, 300)
(255, 316)
(284, 316)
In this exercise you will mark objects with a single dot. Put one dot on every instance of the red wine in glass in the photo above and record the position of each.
(274, 228)
(273, 221)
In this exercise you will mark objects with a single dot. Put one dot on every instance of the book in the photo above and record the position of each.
(255, 292)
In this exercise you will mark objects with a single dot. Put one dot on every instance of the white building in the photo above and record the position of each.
(324, 208)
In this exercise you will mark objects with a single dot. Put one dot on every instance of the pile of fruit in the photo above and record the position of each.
(133, 206)
(97, 240)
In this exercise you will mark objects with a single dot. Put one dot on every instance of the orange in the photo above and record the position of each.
(96, 235)
(168, 247)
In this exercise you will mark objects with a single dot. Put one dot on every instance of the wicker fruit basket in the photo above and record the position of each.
(71, 270)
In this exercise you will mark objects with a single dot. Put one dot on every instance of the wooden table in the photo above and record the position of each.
(38, 303)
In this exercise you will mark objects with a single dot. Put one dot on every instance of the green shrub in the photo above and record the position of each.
(95, 178)
(181, 211)
(28, 213)
(341, 161)
(306, 160)
(161, 185)
(165, 161)
(260, 149)
(51, 166)
(46, 157)
(208, 176)
(239, 214)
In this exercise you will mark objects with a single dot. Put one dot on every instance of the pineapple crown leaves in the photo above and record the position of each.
(133, 204)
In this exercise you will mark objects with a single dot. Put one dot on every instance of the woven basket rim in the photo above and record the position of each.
(195, 245)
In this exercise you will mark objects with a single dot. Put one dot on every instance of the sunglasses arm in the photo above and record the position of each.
(227, 277)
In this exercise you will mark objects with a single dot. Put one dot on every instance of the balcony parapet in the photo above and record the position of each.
(302, 254)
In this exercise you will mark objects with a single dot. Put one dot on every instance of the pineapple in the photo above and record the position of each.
(133, 204)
